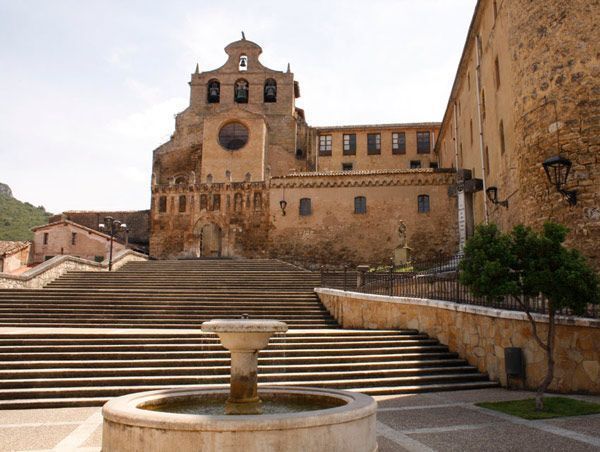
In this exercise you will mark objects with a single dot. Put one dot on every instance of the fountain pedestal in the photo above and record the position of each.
(244, 339)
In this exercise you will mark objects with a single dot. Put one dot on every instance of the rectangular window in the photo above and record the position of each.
(73, 237)
(360, 205)
(433, 165)
(347, 166)
(350, 144)
(423, 203)
(203, 202)
(415, 164)
(423, 142)
(398, 143)
(305, 207)
(162, 204)
(45, 238)
(373, 143)
(216, 204)
(324, 145)
(182, 203)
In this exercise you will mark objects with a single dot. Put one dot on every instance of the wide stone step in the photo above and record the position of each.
(223, 377)
(146, 324)
(133, 361)
(75, 372)
(214, 346)
(340, 383)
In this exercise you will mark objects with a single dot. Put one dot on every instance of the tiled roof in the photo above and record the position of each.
(406, 125)
(9, 247)
(367, 172)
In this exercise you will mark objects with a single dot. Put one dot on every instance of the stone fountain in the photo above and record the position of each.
(198, 419)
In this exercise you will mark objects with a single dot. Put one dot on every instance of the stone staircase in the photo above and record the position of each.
(90, 336)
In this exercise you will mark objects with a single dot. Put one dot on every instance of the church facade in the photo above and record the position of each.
(245, 175)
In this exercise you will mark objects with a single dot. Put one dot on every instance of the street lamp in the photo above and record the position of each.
(557, 170)
(492, 194)
(112, 227)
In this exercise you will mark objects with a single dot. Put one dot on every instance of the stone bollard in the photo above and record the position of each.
(360, 277)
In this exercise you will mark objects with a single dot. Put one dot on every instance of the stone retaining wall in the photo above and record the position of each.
(480, 334)
(42, 274)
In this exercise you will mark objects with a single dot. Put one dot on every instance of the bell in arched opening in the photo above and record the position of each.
(270, 92)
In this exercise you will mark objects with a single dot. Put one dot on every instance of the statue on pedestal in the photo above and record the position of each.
(402, 251)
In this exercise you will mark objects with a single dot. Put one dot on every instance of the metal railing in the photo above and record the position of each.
(433, 279)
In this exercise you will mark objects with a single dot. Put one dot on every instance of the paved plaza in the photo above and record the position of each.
(443, 421)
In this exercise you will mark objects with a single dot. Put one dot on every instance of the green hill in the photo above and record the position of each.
(17, 218)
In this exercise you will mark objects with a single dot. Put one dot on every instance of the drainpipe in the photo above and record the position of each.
(480, 122)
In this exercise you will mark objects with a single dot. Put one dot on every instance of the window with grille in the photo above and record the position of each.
(325, 145)
(350, 144)
(305, 207)
(423, 203)
(360, 204)
(373, 143)
(398, 143)
(423, 142)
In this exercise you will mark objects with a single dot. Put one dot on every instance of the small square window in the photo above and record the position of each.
(433, 165)
(305, 207)
(415, 164)
(373, 143)
(423, 142)
(398, 143)
(347, 166)
(325, 145)
(350, 144)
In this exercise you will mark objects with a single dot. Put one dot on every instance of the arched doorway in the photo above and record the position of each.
(210, 240)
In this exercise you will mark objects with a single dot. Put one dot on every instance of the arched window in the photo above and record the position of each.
(213, 92)
(238, 202)
(240, 92)
(360, 204)
(243, 63)
(257, 201)
(180, 180)
(305, 207)
(162, 204)
(182, 203)
(423, 203)
(270, 93)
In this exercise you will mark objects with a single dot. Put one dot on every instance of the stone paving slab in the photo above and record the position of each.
(443, 421)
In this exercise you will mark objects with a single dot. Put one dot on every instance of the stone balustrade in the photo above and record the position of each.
(48, 271)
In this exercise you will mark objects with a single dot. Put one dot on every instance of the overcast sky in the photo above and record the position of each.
(89, 88)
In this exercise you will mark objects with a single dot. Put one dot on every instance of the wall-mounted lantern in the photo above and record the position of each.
(283, 205)
(557, 169)
(492, 194)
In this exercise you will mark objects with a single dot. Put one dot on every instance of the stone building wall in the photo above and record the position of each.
(361, 160)
(334, 234)
(481, 334)
(137, 222)
(539, 74)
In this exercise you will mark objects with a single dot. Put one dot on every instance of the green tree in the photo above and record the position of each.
(524, 265)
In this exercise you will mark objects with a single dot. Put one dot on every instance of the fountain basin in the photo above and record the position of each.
(132, 422)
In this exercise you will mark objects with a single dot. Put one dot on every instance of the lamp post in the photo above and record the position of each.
(557, 170)
(112, 227)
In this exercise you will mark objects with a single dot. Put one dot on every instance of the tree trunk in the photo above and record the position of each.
(539, 397)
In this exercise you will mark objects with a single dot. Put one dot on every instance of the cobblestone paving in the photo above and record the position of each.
(443, 421)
